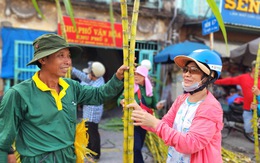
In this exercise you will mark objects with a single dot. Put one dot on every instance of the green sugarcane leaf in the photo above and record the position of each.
(70, 12)
(35, 5)
(111, 14)
(215, 10)
(60, 18)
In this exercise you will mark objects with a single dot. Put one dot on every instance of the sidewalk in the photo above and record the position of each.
(112, 142)
(111, 146)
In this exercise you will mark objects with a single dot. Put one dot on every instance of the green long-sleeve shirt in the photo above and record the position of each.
(45, 121)
(150, 101)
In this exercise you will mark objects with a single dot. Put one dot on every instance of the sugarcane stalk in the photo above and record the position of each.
(254, 119)
(154, 149)
(157, 147)
(60, 19)
(124, 17)
(232, 157)
(68, 74)
(17, 155)
(112, 22)
(63, 29)
(129, 58)
(131, 77)
(163, 149)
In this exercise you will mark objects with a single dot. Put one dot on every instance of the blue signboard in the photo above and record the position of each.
(244, 13)
(210, 25)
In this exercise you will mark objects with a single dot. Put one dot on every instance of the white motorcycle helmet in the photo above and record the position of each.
(146, 63)
(97, 68)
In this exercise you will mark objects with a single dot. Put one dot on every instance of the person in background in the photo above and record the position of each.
(246, 82)
(233, 94)
(146, 63)
(143, 94)
(192, 126)
(167, 92)
(41, 112)
(92, 76)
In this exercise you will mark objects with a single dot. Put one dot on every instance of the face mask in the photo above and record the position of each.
(190, 88)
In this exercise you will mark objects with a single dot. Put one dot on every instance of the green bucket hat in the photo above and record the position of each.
(48, 44)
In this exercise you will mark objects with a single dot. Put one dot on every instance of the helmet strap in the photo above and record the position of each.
(209, 80)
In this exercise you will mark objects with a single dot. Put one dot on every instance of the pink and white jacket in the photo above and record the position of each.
(203, 140)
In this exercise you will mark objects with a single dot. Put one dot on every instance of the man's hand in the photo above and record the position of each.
(122, 102)
(120, 72)
(11, 158)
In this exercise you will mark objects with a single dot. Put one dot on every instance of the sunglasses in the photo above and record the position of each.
(191, 70)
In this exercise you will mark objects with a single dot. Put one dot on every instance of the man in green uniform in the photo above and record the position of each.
(40, 114)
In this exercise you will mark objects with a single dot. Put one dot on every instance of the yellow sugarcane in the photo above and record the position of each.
(157, 147)
(254, 120)
(234, 157)
(124, 17)
(17, 155)
(131, 78)
(112, 22)
(154, 146)
(163, 149)
(68, 74)
(60, 20)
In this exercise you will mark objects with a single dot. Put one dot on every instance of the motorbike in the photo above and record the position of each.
(233, 120)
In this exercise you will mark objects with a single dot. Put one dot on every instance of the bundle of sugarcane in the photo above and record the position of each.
(233, 157)
(81, 142)
(129, 57)
(17, 155)
(157, 147)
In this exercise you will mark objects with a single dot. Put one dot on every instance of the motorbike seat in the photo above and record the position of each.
(236, 108)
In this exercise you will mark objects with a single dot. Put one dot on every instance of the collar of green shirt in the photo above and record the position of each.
(42, 86)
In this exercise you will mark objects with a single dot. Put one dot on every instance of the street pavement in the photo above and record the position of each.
(112, 142)
(111, 146)
(237, 142)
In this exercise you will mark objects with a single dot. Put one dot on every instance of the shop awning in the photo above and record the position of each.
(183, 48)
(245, 53)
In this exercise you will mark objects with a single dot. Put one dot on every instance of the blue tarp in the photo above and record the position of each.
(9, 35)
(183, 48)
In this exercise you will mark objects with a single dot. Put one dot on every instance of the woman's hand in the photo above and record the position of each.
(142, 118)
(160, 104)
(253, 106)
(255, 90)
